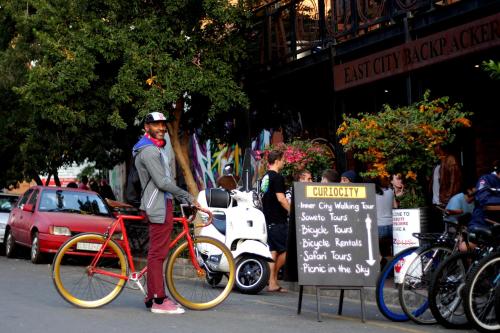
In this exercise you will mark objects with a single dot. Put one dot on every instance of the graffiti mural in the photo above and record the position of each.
(209, 159)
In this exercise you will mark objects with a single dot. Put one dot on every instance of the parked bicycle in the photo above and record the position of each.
(481, 284)
(452, 279)
(91, 269)
(414, 267)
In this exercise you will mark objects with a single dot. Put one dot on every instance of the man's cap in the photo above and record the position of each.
(154, 116)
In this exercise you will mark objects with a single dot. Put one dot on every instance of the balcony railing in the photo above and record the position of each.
(287, 30)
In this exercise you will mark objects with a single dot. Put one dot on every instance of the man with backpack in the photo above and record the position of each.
(153, 157)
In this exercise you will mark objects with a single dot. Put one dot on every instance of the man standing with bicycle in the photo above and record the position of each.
(154, 160)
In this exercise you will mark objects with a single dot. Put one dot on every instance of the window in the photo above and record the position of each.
(24, 198)
(33, 198)
(68, 201)
(7, 202)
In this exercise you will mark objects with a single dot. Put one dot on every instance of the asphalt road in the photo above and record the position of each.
(29, 303)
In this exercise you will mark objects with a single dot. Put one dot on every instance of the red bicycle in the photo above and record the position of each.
(91, 269)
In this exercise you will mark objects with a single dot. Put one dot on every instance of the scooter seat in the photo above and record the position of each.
(219, 222)
(217, 198)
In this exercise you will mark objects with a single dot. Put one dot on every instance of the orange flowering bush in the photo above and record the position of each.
(402, 139)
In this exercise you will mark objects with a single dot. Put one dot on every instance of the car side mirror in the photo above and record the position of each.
(29, 208)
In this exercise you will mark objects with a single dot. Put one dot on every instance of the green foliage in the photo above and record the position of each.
(402, 139)
(82, 74)
(492, 68)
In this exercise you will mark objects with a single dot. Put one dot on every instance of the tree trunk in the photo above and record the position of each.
(180, 146)
(47, 181)
(37, 179)
(56, 179)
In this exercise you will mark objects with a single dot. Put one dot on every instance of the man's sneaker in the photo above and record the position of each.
(168, 307)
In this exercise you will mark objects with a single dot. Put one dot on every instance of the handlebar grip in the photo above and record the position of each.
(206, 211)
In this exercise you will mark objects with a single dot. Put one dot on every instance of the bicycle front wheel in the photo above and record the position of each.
(79, 283)
(446, 289)
(193, 289)
(413, 291)
(386, 290)
(480, 294)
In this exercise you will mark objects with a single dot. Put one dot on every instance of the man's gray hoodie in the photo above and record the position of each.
(153, 167)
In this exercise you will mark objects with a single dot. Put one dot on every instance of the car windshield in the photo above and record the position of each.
(7, 202)
(72, 202)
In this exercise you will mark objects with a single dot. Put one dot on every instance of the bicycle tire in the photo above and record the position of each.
(480, 285)
(413, 291)
(383, 284)
(446, 289)
(191, 289)
(497, 301)
(70, 271)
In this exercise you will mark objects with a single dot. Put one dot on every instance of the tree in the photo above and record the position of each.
(92, 69)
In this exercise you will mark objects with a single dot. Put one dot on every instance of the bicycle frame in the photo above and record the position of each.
(135, 276)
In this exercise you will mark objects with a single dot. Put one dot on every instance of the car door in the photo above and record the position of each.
(16, 215)
(26, 220)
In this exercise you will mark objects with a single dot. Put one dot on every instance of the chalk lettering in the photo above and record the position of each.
(341, 256)
(334, 217)
(315, 244)
(314, 256)
(314, 231)
(342, 230)
(363, 270)
(349, 242)
(316, 217)
(306, 268)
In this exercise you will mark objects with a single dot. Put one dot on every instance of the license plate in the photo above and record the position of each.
(88, 246)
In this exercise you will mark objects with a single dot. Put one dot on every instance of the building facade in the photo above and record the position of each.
(319, 59)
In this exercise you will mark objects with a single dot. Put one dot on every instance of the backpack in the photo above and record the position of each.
(134, 190)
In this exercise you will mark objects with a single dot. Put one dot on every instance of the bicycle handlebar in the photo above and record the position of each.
(193, 216)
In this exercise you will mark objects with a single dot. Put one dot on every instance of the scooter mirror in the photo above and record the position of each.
(228, 170)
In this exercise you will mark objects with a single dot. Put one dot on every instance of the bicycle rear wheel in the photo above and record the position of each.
(446, 290)
(73, 278)
(480, 294)
(386, 289)
(413, 292)
(189, 287)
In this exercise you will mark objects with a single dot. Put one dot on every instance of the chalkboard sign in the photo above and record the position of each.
(337, 235)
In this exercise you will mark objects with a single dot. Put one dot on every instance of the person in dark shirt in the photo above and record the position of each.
(486, 194)
(276, 209)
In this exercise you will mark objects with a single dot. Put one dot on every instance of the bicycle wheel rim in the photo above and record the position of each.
(72, 280)
(445, 292)
(413, 292)
(480, 296)
(192, 289)
(391, 312)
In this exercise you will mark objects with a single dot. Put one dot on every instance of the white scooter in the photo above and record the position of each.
(242, 227)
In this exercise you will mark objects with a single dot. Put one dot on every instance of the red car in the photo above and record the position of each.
(46, 216)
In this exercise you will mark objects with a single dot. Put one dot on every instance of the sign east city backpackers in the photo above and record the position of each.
(472, 37)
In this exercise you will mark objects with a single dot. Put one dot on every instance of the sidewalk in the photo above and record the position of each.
(391, 296)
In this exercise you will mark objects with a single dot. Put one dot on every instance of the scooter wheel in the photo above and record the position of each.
(252, 274)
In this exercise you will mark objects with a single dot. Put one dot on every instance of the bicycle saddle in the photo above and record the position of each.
(481, 235)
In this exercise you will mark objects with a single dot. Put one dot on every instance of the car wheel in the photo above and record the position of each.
(10, 245)
(35, 254)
